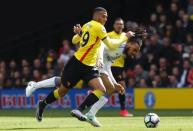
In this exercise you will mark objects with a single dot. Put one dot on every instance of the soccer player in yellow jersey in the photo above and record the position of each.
(118, 64)
(82, 64)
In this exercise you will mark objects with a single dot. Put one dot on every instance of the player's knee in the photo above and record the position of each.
(57, 81)
(110, 91)
(98, 93)
(62, 91)
(101, 88)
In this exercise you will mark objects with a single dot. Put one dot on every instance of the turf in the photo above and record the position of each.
(60, 120)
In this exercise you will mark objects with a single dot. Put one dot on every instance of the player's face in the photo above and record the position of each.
(132, 49)
(102, 18)
(118, 26)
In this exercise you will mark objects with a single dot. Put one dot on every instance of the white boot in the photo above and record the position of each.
(92, 120)
(30, 88)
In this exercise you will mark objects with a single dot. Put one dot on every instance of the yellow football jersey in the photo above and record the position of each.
(119, 62)
(92, 34)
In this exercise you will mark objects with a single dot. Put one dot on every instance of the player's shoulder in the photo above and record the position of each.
(94, 24)
(111, 33)
(97, 25)
(123, 33)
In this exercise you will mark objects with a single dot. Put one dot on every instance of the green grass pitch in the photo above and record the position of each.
(60, 120)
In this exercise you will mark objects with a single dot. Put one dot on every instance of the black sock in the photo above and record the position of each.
(49, 99)
(89, 101)
(122, 101)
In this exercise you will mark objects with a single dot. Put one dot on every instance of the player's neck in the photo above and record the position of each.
(96, 20)
(118, 32)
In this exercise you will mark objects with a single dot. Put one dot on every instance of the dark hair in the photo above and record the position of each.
(136, 40)
(97, 9)
(118, 19)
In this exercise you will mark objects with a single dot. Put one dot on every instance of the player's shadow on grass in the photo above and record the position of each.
(38, 128)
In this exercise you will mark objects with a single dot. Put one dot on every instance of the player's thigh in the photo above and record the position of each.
(58, 81)
(62, 90)
(108, 83)
(97, 83)
(92, 78)
(71, 73)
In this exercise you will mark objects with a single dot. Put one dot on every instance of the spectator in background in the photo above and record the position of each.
(49, 71)
(143, 83)
(131, 83)
(186, 24)
(2, 79)
(37, 76)
(173, 13)
(58, 68)
(26, 75)
(188, 49)
(157, 81)
(169, 30)
(184, 75)
(17, 79)
(189, 39)
(154, 48)
(179, 33)
(37, 64)
(153, 20)
(12, 68)
(152, 74)
(153, 67)
(176, 73)
(24, 63)
(51, 57)
(9, 82)
(162, 25)
(167, 51)
(173, 81)
(164, 79)
(18, 83)
(163, 65)
(65, 53)
(181, 13)
(140, 74)
(42, 55)
(3, 69)
(159, 10)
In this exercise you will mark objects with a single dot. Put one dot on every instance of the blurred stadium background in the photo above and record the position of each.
(36, 44)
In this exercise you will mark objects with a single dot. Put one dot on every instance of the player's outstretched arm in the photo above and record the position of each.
(115, 43)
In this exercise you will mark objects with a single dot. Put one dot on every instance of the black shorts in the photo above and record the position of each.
(118, 73)
(75, 71)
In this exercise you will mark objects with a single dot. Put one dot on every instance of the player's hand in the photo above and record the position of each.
(119, 88)
(77, 29)
(130, 34)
